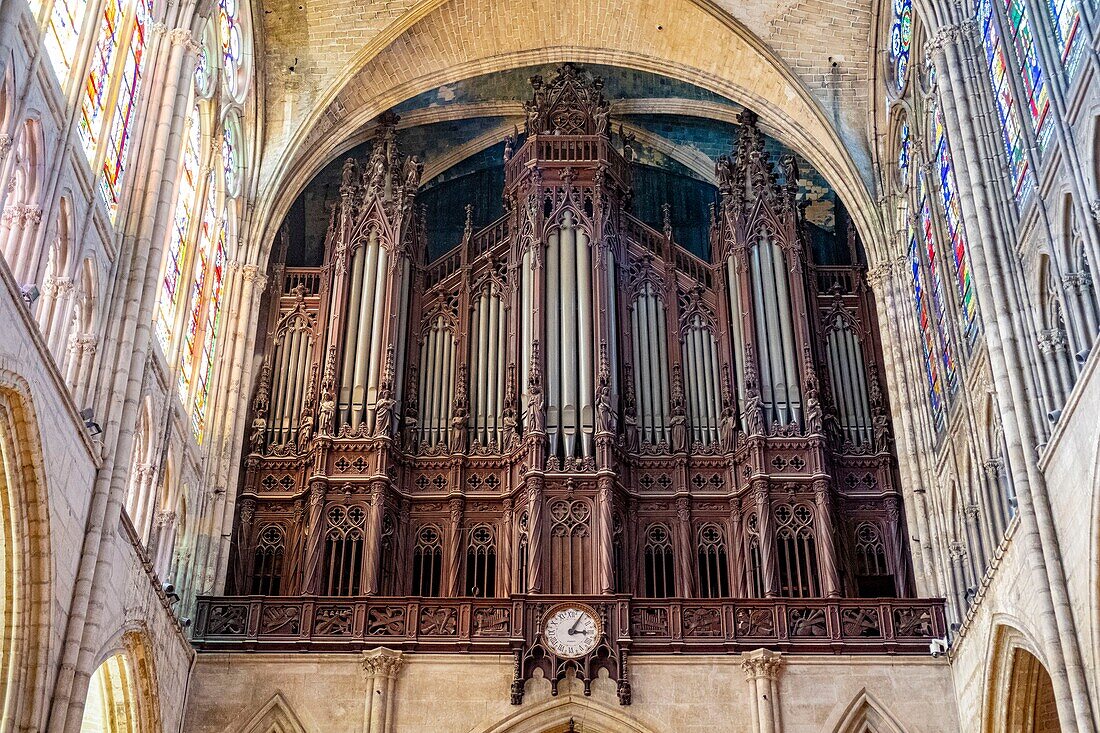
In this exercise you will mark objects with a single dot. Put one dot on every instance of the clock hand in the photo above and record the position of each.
(573, 628)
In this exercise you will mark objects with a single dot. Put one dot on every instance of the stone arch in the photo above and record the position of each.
(587, 714)
(1019, 694)
(864, 714)
(22, 205)
(698, 44)
(123, 694)
(276, 716)
(24, 558)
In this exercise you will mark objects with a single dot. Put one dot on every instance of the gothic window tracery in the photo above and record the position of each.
(659, 563)
(569, 538)
(713, 562)
(427, 567)
(344, 550)
(796, 551)
(901, 40)
(481, 562)
(267, 561)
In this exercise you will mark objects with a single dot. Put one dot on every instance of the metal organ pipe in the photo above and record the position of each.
(786, 328)
(864, 412)
(661, 414)
(363, 332)
(767, 397)
(351, 330)
(639, 382)
(500, 365)
(710, 378)
(568, 338)
(293, 347)
(774, 336)
(374, 376)
(737, 326)
(613, 324)
(476, 367)
(526, 315)
(278, 376)
(642, 359)
(482, 377)
(585, 362)
(553, 345)
(493, 373)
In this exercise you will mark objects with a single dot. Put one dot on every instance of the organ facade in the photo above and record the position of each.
(569, 405)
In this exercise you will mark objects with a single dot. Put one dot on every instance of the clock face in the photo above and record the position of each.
(571, 631)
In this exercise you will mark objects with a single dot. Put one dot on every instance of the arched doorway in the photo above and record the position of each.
(111, 706)
(1031, 707)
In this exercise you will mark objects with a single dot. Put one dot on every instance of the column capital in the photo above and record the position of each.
(383, 662)
(762, 664)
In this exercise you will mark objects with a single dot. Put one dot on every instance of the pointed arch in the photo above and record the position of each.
(588, 714)
(864, 714)
(276, 716)
(1019, 695)
(24, 557)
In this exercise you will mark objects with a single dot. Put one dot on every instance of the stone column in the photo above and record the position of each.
(382, 666)
(534, 534)
(451, 584)
(826, 553)
(372, 555)
(685, 554)
(315, 539)
(765, 528)
(605, 571)
(762, 669)
(735, 541)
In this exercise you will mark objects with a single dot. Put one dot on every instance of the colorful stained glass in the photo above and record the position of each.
(202, 71)
(118, 141)
(230, 162)
(905, 152)
(935, 286)
(901, 39)
(210, 337)
(1065, 18)
(1031, 71)
(208, 232)
(186, 202)
(62, 35)
(953, 217)
(229, 28)
(927, 338)
(1011, 130)
(98, 83)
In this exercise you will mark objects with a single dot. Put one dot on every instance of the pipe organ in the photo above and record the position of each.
(568, 402)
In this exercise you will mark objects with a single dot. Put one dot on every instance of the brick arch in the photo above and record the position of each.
(26, 558)
(446, 42)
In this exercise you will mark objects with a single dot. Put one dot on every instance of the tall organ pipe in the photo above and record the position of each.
(493, 373)
(861, 388)
(351, 330)
(661, 415)
(639, 382)
(767, 396)
(277, 379)
(476, 367)
(483, 318)
(613, 323)
(736, 325)
(500, 365)
(774, 335)
(568, 340)
(293, 342)
(363, 332)
(553, 325)
(710, 379)
(641, 330)
(526, 316)
(374, 375)
(585, 361)
(786, 325)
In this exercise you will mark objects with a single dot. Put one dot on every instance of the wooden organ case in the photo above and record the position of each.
(568, 404)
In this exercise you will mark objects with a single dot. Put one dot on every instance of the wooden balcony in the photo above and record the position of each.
(642, 626)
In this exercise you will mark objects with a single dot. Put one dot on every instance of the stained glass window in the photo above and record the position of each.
(905, 151)
(935, 286)
(901, 38)
(203, 76)
(176, 253)
(1031, 71)
(229, 31)
(97, 85)
(231, 158)
(1065, 18)
(62, 35)
(208, 232)
(209, 337)
(928, 339)
(118, 142)
(1007, 111)
(953, 217)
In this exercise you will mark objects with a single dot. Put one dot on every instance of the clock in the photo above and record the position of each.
(571, 630)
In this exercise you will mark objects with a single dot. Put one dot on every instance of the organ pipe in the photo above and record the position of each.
(701, 375)
(437, 383)
(844, 354)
